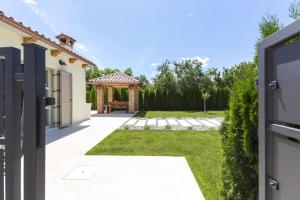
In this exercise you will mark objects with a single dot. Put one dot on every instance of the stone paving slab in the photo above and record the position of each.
(207, 123)
(141, 122)
(216, 122)
(194, 122)
(162, 122)
(201, 124)
(151, 122)
(183, 123)
(172, 122)
(131, 121)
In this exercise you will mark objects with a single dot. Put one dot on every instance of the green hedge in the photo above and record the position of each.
(239, 138)
(153, 99)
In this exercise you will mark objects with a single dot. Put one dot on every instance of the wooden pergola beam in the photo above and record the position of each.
(72, 60)
(55, 52)
(84, 65)
(29, 40)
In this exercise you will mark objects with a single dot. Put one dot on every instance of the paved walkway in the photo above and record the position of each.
(173, 123)
(70, 175)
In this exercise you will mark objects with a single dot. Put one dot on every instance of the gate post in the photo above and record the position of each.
(34, 122)
(10, 112)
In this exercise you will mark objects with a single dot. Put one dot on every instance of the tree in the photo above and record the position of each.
(93, 72)
(143, 81)
(128, 71)
(295, 10)
(189, 73)
(108, 70)
(269, 25)
(165, 80)
(205, 97)
(240, 128)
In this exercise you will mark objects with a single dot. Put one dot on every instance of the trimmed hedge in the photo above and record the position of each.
(153, 99)
(240, 138)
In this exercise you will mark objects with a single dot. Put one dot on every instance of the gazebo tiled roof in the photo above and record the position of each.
(117, 78)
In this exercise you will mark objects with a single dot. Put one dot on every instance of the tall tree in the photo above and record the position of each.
(240, 128)
(295, 10)
(165, 80)
(269, 25)
(189, 73)
(143, 81)
(128, 71)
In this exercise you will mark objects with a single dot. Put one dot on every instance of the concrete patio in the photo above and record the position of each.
(72, 175)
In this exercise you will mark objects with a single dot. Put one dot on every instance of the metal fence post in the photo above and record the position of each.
(34, 122)
(12, 122)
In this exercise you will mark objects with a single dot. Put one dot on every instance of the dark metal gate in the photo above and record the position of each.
(279, 115)
(22, 93)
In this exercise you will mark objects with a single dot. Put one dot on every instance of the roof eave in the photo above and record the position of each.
(27, 30)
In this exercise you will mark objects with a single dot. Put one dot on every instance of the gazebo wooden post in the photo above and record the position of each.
(131, 99)
(110, 94)
(136, 96)
(100, 99)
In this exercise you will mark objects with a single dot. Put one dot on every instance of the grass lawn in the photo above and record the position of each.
(180, 114)
(202, 149)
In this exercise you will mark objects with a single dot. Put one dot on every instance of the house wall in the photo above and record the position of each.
(12, 37)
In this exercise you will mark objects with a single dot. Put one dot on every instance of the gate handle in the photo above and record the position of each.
(41, 123)
(273, 184)
(273, 85)
(45, 101)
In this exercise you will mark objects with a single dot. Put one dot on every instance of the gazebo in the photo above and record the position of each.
(116, 80)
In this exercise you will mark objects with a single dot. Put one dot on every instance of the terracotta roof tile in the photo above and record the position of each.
(115, 78)
(19, 25)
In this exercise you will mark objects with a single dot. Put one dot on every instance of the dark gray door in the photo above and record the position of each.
(279, 109)
(65, 99)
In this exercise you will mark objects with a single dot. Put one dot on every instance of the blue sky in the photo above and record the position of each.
(141, 34)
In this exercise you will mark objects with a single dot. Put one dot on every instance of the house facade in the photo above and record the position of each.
(65, 71)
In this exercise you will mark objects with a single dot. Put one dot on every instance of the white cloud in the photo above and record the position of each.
(189, 15)
(31, 2)
(154, 64)
(82, 47)
(203, 60)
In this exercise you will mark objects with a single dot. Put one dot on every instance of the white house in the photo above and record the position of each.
(65, 71)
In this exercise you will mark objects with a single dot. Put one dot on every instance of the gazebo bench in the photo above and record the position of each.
(117, 105)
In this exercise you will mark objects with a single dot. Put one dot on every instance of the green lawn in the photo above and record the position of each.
(202, 150)
(180, 114)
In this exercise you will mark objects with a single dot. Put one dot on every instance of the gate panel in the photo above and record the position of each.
(2, 129)
(12, 122)
(34, 122)
(286, 63)
(279, 115)
(11, 77)
(286, 162)
(2, 98)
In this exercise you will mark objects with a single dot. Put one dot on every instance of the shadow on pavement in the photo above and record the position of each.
(56, 134)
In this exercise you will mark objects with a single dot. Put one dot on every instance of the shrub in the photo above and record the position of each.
(239, 137)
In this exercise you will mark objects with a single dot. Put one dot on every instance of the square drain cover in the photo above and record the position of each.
(82, 172)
